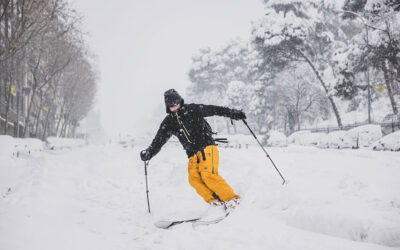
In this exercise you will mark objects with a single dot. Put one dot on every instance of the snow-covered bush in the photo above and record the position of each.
(388, 142)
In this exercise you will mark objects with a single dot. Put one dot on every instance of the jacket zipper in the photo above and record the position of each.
(185, 132)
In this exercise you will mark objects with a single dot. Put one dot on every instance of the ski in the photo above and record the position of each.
(200, 222)
(166, 224)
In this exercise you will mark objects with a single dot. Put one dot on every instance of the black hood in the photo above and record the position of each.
(172, 98)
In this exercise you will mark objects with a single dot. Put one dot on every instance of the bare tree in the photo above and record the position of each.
(300, 96)
(41, 45)
(22, 21)
(48, 56)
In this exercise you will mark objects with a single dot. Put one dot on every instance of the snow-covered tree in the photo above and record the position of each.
(299, 99)
(212, 73)
(379, 45)
(295, 30)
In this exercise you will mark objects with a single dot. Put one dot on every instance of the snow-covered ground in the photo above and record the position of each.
(61, 143)
(93, 197)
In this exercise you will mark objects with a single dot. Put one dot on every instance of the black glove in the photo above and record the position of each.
(145, 155)
(238, 114)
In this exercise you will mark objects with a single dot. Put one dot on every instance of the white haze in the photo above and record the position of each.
(144, 48)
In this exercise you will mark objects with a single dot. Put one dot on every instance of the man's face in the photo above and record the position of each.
(175, 108)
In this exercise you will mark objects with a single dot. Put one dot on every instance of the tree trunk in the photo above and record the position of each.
(38, 115)
(389, 87)
(67, 129)
(291, 120)
(64, 128)
(58, 125)
(330, 98)
(298, 119)
(392, 74)
(59, 120)
(27, 119)
(74, 126)
(45, 126)
(16, 129)
(8, 95)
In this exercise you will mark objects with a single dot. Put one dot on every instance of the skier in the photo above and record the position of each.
(186, 121)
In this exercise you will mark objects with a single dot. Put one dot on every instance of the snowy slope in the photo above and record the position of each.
(94, 198)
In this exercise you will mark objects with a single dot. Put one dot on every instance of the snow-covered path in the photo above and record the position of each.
(94, 198)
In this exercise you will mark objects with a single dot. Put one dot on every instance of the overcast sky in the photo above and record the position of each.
(144, 47)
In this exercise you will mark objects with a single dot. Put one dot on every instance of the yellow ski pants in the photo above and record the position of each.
(204, 177)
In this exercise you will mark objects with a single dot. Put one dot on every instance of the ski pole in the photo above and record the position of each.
(146, 163)
(265, 151)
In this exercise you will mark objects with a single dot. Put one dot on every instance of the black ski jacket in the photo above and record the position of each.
(189, 125)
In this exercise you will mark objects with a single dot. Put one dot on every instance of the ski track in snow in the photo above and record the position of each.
(94, 198)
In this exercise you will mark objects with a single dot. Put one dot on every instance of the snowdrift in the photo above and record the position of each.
(62, 143)
(17, 146)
